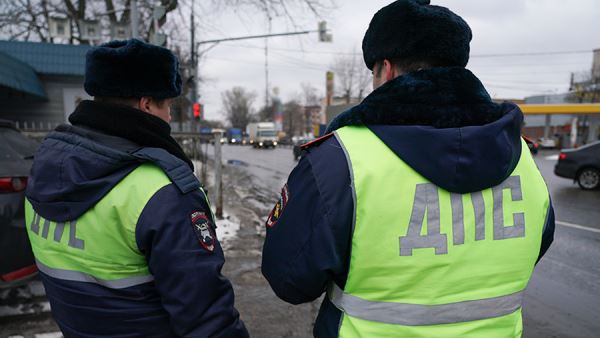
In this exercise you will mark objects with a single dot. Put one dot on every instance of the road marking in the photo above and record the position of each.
(551, 157)
(577, 226)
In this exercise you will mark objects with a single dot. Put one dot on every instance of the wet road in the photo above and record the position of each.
(563, 297)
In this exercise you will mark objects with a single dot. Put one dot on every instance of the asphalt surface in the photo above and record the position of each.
(562, 300)
(563, 297)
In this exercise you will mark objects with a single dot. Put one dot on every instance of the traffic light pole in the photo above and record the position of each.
(258, 36)
(323, 37)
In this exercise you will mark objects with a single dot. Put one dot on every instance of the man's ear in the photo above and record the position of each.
(144, 103)
(390, 70)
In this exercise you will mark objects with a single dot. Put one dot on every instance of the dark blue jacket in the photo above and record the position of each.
(441, 122)
(73, 169)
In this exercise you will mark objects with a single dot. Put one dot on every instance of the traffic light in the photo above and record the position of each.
(323, 36)
(159, 16)
(197, 110)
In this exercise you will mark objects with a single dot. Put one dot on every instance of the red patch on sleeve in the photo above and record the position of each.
(278, 208)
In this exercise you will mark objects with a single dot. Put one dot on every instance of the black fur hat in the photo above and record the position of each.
(131, 68)
(417, 31)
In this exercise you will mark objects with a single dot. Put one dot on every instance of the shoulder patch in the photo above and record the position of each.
(316, 141)
(278, 208)
(203, 230)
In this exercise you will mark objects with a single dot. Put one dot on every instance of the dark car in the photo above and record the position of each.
(581, 164)
(298, 152)
(532, 145)
(16, 156)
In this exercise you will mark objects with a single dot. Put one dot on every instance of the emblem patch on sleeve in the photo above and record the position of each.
(203, 230)
(278, 208)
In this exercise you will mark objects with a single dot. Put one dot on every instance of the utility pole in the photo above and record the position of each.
(218, 134)
(194, 68)
(134, 20)
(267, 65)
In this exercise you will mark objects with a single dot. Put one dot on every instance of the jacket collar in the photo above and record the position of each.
(439, 97)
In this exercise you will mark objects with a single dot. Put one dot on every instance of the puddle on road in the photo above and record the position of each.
(237, 163)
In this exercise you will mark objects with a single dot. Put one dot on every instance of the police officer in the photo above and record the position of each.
(121, 231)
(422, 213)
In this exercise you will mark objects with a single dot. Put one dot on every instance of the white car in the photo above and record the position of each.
(547, 143)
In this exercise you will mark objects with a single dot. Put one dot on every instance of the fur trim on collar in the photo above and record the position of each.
(439, 97)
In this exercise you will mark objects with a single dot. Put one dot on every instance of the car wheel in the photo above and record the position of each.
(589, 179)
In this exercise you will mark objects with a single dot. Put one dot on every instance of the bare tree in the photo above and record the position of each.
(352, 77)
(29, 19)
(309, 94)
(278, 8)
(265, 114)
(237, 103)
(293, 118)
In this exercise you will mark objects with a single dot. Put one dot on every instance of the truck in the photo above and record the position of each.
(262, 134)
(234, 136)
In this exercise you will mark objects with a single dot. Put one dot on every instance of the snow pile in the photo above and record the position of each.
(227, 229)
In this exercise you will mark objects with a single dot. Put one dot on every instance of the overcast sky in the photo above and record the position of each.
(499, 27)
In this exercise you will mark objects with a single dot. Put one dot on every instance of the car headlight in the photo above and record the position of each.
(260, 144)
(274, 143)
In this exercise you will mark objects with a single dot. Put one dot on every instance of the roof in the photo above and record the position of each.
(48, 58)
(19, 76)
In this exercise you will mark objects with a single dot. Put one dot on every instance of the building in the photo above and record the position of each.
(40, 83)
(338, 105)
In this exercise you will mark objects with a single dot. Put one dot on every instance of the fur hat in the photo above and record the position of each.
(414, 30)
(131, 68)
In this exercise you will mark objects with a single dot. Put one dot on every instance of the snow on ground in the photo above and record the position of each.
(43, 335)
(227, 229)
(24, 308)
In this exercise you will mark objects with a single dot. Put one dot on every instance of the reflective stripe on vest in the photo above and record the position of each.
(84, 277)
(100, 246)
(426, 262)
(416, 314)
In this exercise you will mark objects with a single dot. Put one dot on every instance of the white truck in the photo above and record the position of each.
(262, 134)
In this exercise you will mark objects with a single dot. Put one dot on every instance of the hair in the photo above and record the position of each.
(408, 65)
(127, 101)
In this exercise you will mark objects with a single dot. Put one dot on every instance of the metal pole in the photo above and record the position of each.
(204, 162)
(267, 66)
(255, 37)
(134, 20)
(194, 66)
(547, 126)
(218, 167)
(574, 123)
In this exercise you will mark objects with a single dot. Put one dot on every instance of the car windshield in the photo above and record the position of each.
(267, 133)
